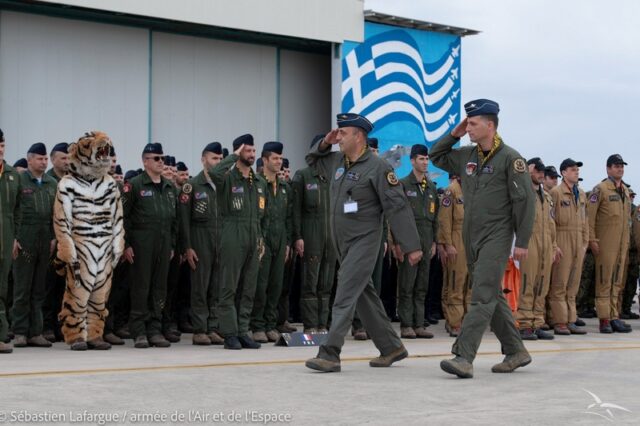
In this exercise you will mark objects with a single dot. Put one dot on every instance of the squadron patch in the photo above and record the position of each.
(446, 202)
(339, 173)
(471, 168)
(594, 198)
(392, 178)
(126, 187)
(184, 198)
(187, 188)
(519, 165)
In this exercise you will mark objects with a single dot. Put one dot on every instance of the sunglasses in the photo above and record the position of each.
(156, 158)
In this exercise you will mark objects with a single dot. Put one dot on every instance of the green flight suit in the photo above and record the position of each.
(242, 203)
(360, 194)
(277, 232)
(499, 202)
(9, 190)
(54, 289)
(413, 281)
(34, 233)
(311, 224)
(198, 214)
(150, 223)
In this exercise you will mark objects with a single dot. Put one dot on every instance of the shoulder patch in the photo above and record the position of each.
(519, 165)
(594, 198)
(184, 198)
(446, 202)
(126, 187)
(392, 178)
(187, 188)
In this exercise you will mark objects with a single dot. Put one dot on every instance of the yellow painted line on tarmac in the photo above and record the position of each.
(274, 362)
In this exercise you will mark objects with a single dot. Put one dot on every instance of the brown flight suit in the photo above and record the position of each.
(535, 271)
(609, 209)
(572, 237)
(456, 292)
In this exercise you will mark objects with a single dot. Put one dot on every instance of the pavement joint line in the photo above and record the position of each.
(274, 362)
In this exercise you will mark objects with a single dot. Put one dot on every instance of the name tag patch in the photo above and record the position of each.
(487, 169)
(200, 195)
(412, 194)
(353, 176)
(240, 189)
(311, 186)
(146, 193)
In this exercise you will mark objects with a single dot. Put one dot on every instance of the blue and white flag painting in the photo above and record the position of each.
(410, 92)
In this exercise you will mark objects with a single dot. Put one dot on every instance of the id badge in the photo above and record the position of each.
(350, 206)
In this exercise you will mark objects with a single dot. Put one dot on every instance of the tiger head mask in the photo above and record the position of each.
(89, 157)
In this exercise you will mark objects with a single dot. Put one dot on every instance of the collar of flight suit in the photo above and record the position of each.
(364, 157)
(414, 181)
(146, 179)
(45, 177)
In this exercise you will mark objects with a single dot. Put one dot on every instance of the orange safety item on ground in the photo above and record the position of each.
(511, 284)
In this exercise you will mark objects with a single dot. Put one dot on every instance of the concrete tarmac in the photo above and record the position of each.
(572, 380)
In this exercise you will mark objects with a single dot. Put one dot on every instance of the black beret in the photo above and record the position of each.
(418, 149)
(615, 159)
(349, 119)
(242, 140)
(372, 142)
(38, 148)
(21, 163)
(317, 138)
(181, 167)
(1, 136)
(569, 163)
(112, 152)
(131, 174)
(225, 152)
(61, 147)
(213, 147)
(118, 169)
(481, 107)
(259, 162)
(153, 148)
(537, 164)
(285, 163)
(275, 147)
(170, 161)
(550, 171)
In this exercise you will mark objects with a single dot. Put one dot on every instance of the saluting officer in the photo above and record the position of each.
(362, 187)
(34, 245)
(498, 203)
(277, 233)
(149, 205)
(312, 237)
(609, 209)
(242, 202)
(413, 280)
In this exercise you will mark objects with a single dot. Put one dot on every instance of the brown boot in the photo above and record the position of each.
(386, 360)
(215, 338)
(260, 337)
(38, 341)
(360, 334)
(20, 341)
(511, 362)
(98, 344)
(159, 341)
(113, 339)
(458, 366)
(422, 333)
(6, 348)
(201, 339)
(320, 364)
(407, 333)
(273, 335)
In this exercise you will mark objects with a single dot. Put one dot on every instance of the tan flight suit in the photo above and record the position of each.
(456, 292)
(572, 237)
(535, 271)
(609, 210)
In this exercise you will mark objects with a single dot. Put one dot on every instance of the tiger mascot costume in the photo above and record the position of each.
(88, 224)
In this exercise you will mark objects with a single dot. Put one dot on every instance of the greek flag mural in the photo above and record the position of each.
(407, 83)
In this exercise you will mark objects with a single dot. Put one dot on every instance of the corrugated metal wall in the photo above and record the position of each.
(62, 77)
